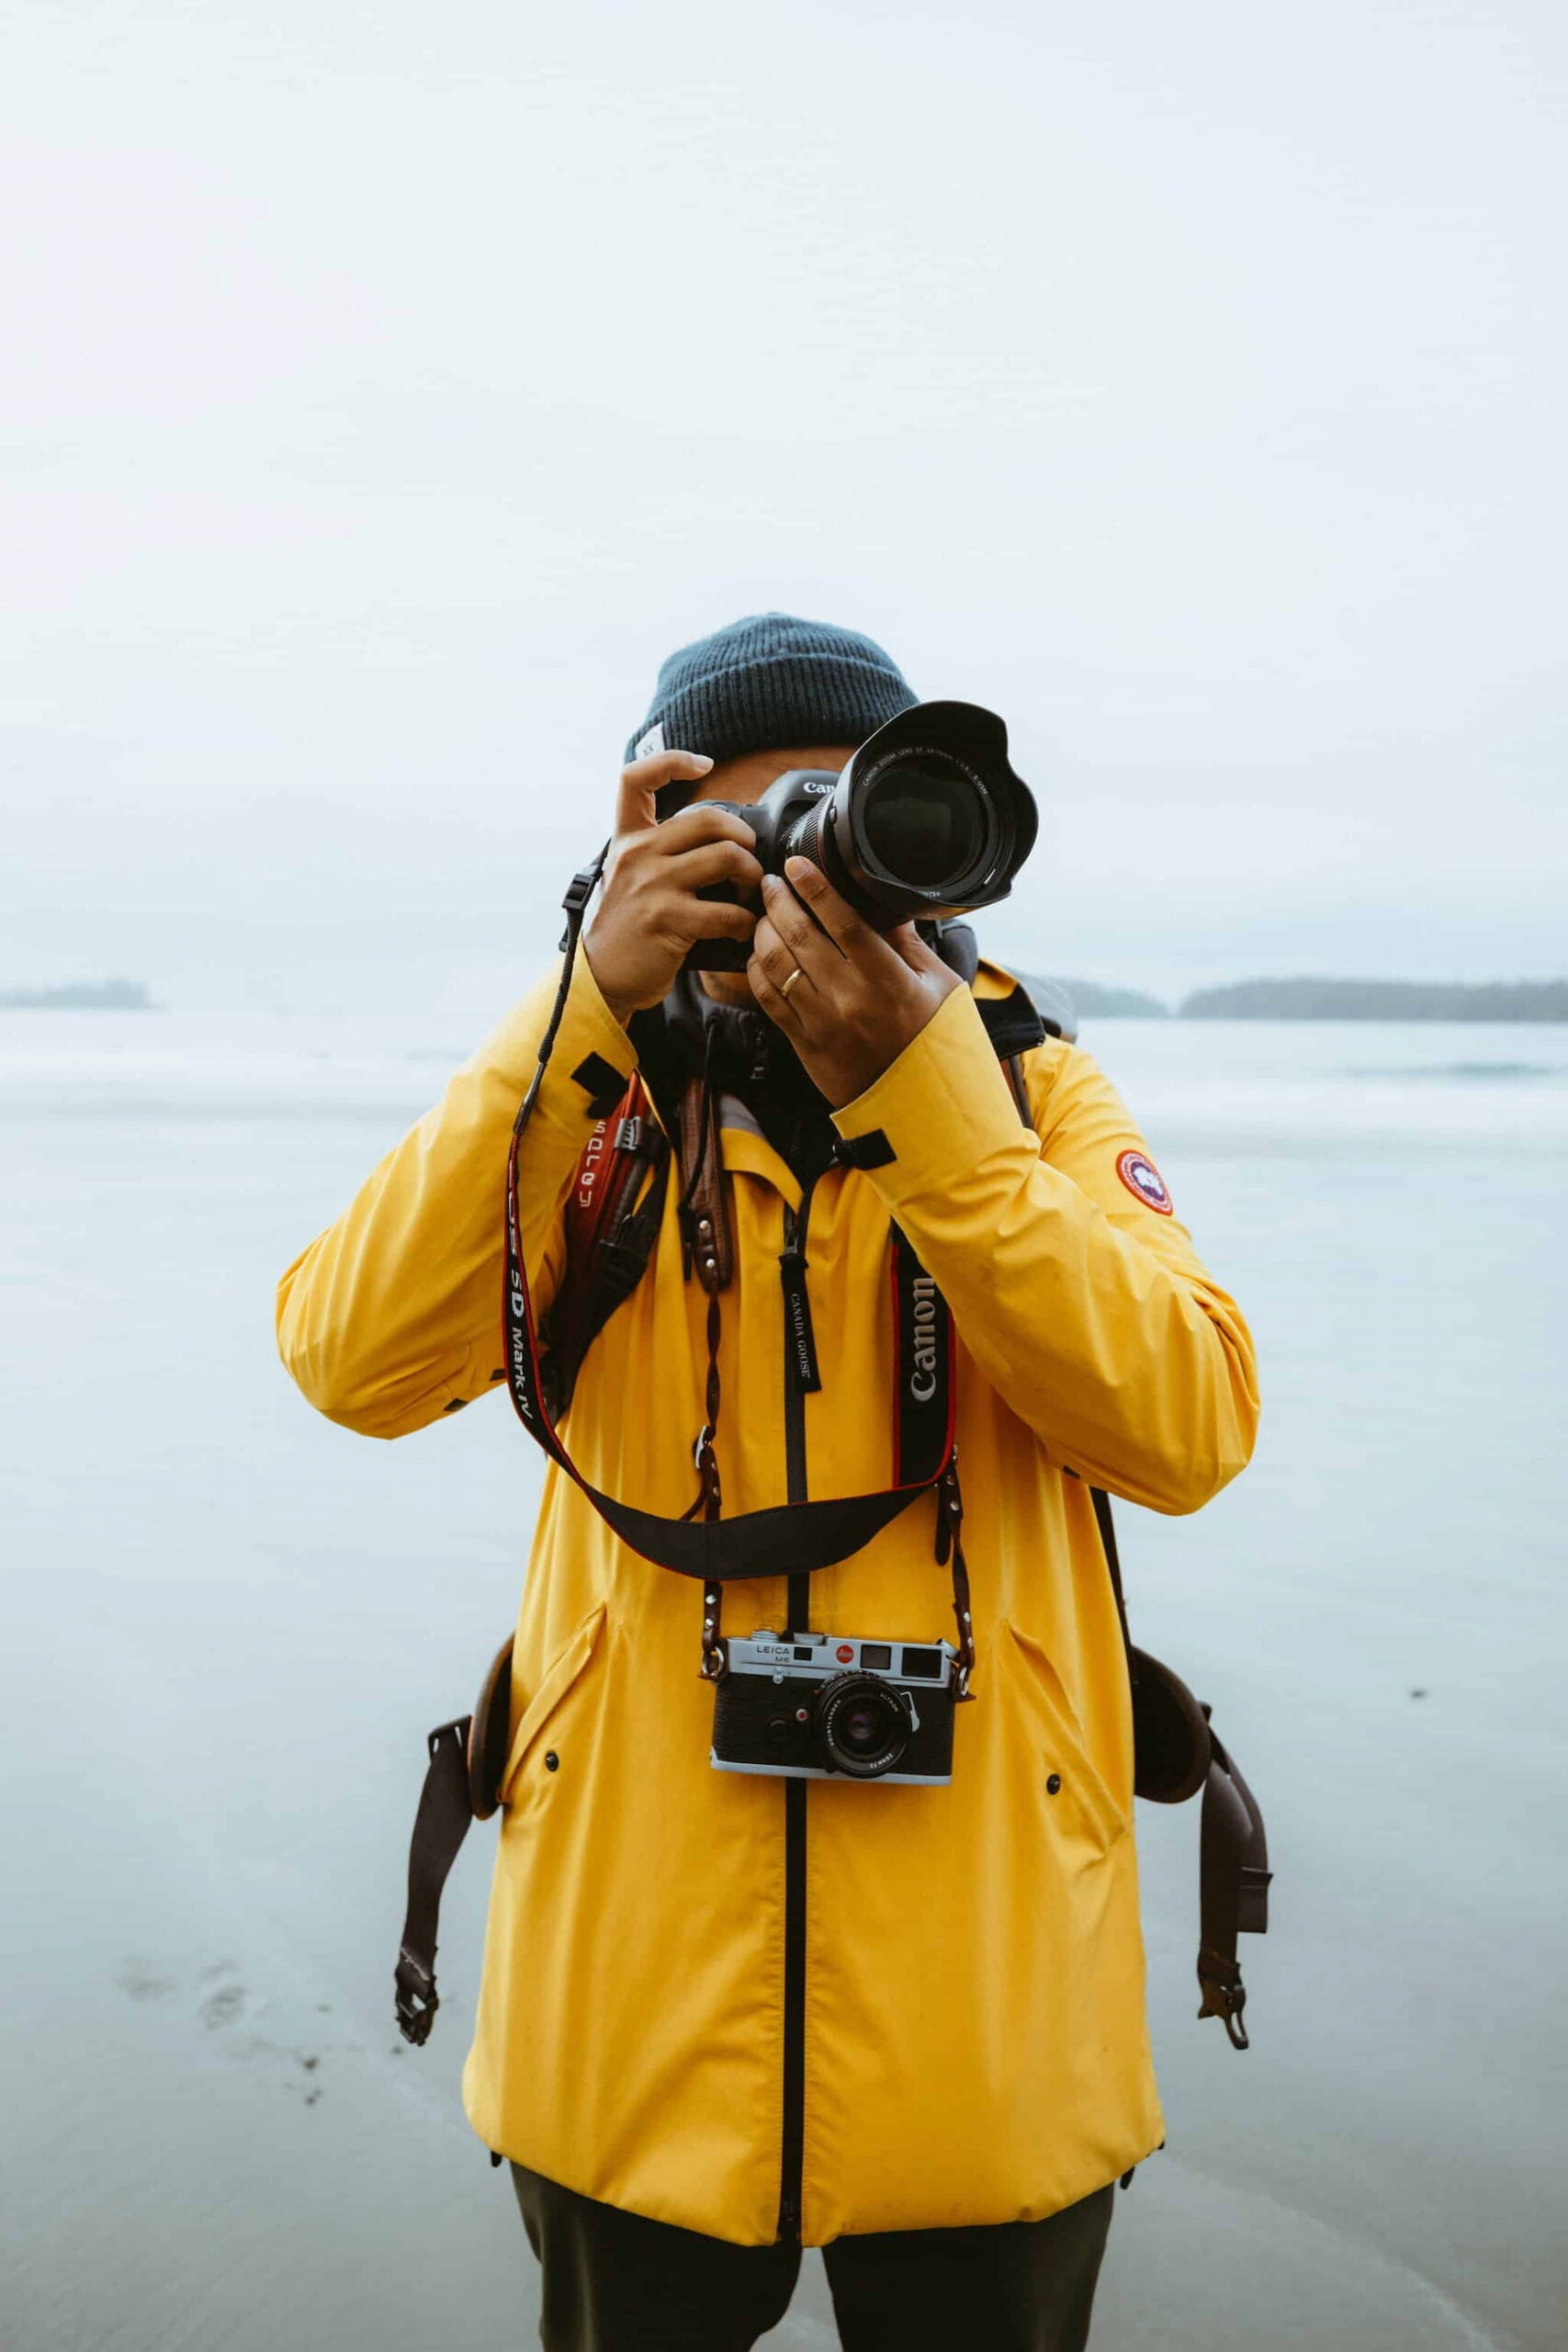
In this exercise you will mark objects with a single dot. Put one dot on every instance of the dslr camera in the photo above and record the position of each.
(817, 1706)
(927, 820)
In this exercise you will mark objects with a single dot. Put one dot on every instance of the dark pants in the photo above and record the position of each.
(617, 2282)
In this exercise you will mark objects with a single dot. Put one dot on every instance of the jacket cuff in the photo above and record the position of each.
(936, 1113)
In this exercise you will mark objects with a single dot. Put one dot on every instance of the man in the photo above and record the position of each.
(723, 2016)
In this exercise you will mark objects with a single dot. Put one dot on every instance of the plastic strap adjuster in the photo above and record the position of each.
(580, 889)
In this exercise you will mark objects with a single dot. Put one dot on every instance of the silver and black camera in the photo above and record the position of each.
(811, 1706)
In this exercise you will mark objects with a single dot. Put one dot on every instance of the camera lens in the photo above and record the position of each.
(926, 822)
(865, 1724)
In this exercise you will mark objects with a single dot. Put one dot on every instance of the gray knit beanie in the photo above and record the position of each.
(767, 684)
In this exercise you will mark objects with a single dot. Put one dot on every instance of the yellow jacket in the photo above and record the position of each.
(968, 2043)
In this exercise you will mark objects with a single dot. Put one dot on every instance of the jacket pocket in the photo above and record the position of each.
(555, 1685)
(1079, 1807)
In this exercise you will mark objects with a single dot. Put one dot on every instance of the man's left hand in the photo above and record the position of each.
(861, 996)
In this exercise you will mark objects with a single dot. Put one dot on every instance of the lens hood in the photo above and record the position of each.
(929, 818)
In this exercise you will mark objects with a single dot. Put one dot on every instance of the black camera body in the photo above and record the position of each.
(927, 820)
(818, 1706)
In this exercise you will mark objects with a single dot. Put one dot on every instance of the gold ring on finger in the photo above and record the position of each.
(785, 985)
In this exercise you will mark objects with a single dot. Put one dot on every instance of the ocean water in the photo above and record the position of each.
(227, 1626)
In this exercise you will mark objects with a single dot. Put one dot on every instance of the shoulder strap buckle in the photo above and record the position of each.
(416, 1998)
(1224, 1995)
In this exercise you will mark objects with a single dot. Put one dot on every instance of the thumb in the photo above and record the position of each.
(635, 809)
(906, 939)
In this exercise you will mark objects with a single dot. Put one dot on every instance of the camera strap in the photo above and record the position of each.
(788, 1538)
(924, 1455)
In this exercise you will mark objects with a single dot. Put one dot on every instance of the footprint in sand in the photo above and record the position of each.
(230, 2003)
(226, 2002)
(140, 1982)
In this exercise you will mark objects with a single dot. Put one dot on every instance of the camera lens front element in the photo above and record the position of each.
(863, 1725)
(929, 818)
(928, 822)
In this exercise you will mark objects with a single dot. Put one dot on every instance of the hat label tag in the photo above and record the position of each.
(650, 742)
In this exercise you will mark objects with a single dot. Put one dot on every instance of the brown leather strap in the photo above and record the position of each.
(1234, 1876)
(950, 1541)
(705, 1224)
(710, 1502)
(462, 1783)
(440, 1827)
(715, 1657)
(1172, 1747)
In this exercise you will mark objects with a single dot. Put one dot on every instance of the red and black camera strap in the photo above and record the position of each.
(788, 1538)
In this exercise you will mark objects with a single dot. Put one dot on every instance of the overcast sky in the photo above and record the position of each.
(387, 389)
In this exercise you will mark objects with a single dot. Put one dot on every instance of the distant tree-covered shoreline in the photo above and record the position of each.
(79, 996)
(1069, 1001)
(1320, 1000)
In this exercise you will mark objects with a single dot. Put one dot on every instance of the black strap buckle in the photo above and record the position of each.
(580, 889)
(1224, 1995)
(417, 2002)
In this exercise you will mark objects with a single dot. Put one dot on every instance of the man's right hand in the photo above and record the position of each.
(649, 914)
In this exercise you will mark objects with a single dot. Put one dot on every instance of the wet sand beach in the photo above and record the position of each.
(229, 1625)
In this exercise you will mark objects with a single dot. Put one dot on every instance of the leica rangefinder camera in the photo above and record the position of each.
(811, 1706)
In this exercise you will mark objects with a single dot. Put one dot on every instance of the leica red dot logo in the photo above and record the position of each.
(844, 1654)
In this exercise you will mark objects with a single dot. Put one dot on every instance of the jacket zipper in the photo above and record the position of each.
(798, 1367)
